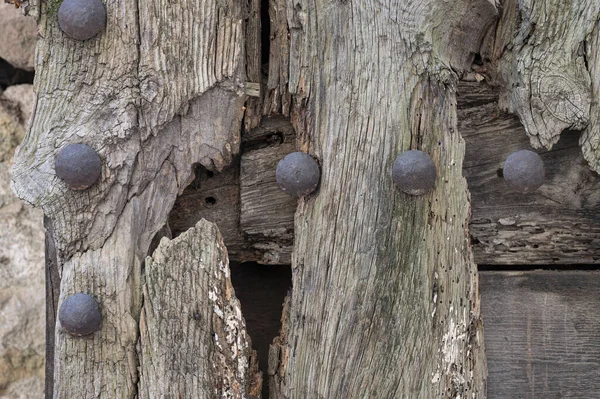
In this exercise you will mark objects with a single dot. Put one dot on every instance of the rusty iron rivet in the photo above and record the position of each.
(81, 19)
(414, 172)
(80, 315)
(298, 174)
(78, 165)
(524, 171)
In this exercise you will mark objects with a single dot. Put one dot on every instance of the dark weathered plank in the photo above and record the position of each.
(557, 224)
(267, 213)
(542, 333)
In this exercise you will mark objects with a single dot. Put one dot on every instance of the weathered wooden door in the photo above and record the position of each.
(385, 300)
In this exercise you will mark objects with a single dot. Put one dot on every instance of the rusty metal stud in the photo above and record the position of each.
(81, 19)
(78, 165)
(80, 315)
(298, 174)
(524, 171)
(414, 172)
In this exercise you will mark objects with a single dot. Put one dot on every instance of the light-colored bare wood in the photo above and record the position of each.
(193, 339)
(542, 333)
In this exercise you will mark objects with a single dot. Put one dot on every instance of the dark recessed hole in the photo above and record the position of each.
(210, 173)
(10, 75)
(265, 32)
(500, 172)
(210, 201)
(477, 59)
(261, 290)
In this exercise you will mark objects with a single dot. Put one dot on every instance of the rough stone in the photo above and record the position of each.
(22, 290)
(18, 34)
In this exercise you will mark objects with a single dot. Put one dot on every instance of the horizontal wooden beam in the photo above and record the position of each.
(557, 224)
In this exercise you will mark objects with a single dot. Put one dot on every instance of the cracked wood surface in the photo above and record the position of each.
(384, 300)
(157, 91)
(547, 57)
(194, 342)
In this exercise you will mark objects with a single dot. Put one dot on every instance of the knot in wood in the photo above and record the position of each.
(564, 98)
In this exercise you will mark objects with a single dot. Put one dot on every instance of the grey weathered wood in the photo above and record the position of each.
(547, 62)
(193, 339)
(542, 333)
(384, 300)
(557, 224)
(267, 213)
(52, 274)
(153, 94)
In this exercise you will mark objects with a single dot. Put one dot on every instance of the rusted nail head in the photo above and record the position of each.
(78, 165)
(524, 171)
(80, 315)
(298, 174)
(81, 19)
(414, 172)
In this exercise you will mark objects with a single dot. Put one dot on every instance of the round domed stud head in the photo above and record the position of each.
(414, 172)
(81, 19)
(298, 174)
(524, 171)
(78, 165)
(80, 315)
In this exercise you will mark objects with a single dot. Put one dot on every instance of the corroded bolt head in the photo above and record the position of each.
(524, 171)
(414, 172)
(298, 174)
(80, 315)
(82, 19)
(78, 165)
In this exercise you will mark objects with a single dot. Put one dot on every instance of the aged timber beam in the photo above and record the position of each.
(556, 224)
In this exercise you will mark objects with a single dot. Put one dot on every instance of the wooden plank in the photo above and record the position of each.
(193, 339)
(557, 224)
(542, 333)
(267, 213)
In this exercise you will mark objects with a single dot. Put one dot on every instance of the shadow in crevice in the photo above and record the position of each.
(261, 290)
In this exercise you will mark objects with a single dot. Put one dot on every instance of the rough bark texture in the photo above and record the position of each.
(547, 60)
(193, 337)
(384, 301)
(159, 90)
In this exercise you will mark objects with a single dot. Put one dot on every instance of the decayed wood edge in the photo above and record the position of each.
(277, 99)
(149, 124)
(549, 77)
(194, 342)
(253, 106)
(542, 333)
(52, 295)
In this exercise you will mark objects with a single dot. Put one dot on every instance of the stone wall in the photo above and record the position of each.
(22, 292)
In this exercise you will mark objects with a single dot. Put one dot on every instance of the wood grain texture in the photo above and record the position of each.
(266, 225)
(384, 300)
(194, 342)
(161, 89)
(542, 333)
(558, 223)
(546, 58)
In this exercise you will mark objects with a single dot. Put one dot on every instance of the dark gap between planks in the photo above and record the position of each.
(261, 290)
